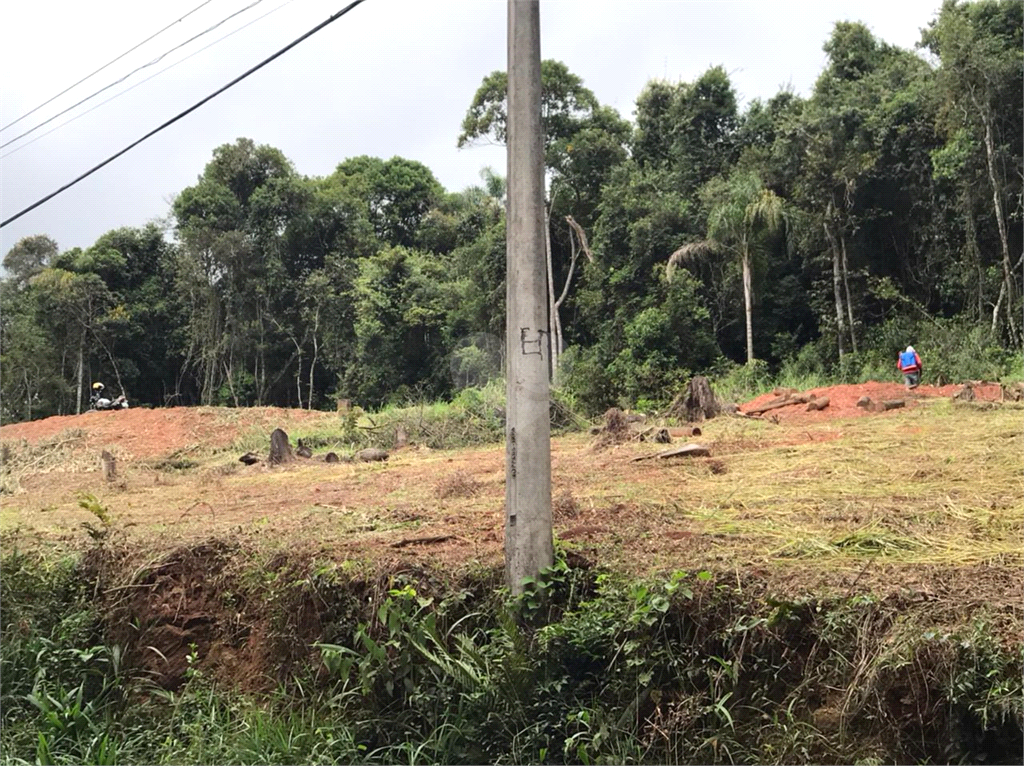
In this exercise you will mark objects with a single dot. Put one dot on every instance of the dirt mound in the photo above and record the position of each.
(843, 399)
(145, 433)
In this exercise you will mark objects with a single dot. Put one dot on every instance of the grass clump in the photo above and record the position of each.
(457, 484)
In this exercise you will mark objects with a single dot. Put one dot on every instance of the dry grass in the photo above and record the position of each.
(64, 452)
(457, 484)
(925, 493)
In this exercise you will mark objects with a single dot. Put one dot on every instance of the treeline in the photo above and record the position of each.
(817, 235)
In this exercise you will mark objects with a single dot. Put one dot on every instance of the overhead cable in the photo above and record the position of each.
(112, 61)
(185, 113)
(107, 87)
(17, 149)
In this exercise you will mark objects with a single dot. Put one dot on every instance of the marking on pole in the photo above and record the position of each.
(512, 457)
(526, 342)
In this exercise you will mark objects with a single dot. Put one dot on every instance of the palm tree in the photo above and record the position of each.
(743, 214)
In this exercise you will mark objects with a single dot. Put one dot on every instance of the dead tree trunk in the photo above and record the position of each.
(576, 237)
(552, 312)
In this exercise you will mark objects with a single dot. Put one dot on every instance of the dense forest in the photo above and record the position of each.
(810, 236)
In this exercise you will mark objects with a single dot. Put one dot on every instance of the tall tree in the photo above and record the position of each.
(743, 213)
(980, 46)
(29, 256)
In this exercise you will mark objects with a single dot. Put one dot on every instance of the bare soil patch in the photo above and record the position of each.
(843, 400)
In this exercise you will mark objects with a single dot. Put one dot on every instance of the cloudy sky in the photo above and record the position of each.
(393, 77)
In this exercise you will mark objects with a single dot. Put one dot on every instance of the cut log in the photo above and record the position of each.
(777, 403)
(965, 394)
(109, 466)
(687, 450)
(781, 391)
(864, 401)
(280, 449)
(249, 458)
(688, 431)
(372, 455)
(817, 404)
(892, 404)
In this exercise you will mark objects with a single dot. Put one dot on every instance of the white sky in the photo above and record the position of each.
(393, 77)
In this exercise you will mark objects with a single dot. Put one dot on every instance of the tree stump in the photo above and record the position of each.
(331, 457)
(280, 449)
(109, 466)
(698, 403)
(401, 437)
(864, 401)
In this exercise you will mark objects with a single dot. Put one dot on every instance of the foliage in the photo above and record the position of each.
(584, 668)
(818, 231)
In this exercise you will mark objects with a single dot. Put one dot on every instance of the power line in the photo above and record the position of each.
(141, 82)
(157, 60)
(112, 61)
(188, 111)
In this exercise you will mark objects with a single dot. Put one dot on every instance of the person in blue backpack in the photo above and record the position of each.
(910, 365)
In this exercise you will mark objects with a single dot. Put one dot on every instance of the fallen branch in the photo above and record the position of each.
(687, 450)
(817, 404)
(422, 540)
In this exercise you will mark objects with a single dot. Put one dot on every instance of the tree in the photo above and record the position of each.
(742, 215)
(979, 46)
(76, 304)
(583, 142)
(29, 256)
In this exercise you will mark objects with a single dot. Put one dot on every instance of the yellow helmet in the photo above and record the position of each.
(97, 386)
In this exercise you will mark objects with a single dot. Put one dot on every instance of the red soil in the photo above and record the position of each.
(144, 433)
(843, 399)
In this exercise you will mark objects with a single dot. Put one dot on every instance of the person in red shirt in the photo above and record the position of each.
(910, 365)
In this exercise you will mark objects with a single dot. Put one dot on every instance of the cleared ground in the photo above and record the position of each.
(926, 500)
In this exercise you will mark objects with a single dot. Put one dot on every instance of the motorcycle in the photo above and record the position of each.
(98, 403)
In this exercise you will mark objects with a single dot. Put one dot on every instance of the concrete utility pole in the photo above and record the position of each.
(528, 541)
